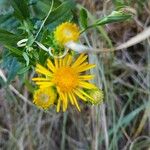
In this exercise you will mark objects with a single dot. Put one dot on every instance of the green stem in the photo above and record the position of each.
(50, 10)
(64, 131)
(90, 26)
(100, 28)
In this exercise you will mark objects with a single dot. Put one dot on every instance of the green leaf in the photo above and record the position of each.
(131, 116)
(118, 3)
(121, 4)
(127, 119)
(14, 50)
(6, 20)
(26, 57)
(23, 70)
(8, 38)
(12, 65)
(29, 86)
(60, 14)
(21, 9)
(40, 8)
(66, 17)
(115, 16)
(30, 41)
(83, 18)
(43, 6)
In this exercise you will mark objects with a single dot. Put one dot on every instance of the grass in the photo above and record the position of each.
(122, 122)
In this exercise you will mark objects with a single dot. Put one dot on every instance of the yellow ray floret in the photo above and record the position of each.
(66, 32)
(69, 79)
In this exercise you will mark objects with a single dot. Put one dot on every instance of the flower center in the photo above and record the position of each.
(44, 97)
(68, 33)
(66, 79)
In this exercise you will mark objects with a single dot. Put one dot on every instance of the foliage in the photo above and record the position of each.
(27, 18)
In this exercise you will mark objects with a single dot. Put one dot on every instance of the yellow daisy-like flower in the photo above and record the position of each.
(44, 97)
(68, 78)
(66, 32)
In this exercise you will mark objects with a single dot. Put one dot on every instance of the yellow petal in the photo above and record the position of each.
(56, 63)
(65, 60)
(60, 63)
(75, 101)
(86, 77)
(45, 83)
(58, 105)
(87, 85)
(40, 79)
(80, 60)
(69, 61)
(50, 65)
(71, 99)
(44, 86)
(87, 95)
(79, 95)
(64, 99)
(42, 70)
(86, 67)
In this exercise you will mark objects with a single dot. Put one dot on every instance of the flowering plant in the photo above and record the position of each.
(47, 39)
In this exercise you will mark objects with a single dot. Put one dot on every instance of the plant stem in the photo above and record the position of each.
(64, 131)
(50, 10)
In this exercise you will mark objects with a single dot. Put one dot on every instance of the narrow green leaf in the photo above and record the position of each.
(60, 13)
(42, 7)
(23, 70)
(21, 9)
(127, 119)
(29, 86)
(83, 18)
(115, 16)
(131, 116)
(26, 57)
(14, 50)
(118, 3)
(8, 38)
(30, 41)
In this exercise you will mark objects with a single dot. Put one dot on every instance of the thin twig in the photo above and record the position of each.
(14, 90)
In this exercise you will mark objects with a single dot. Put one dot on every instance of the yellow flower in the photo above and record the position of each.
(68, 78)
(97, 95)
(66, 32)
(44, 97)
